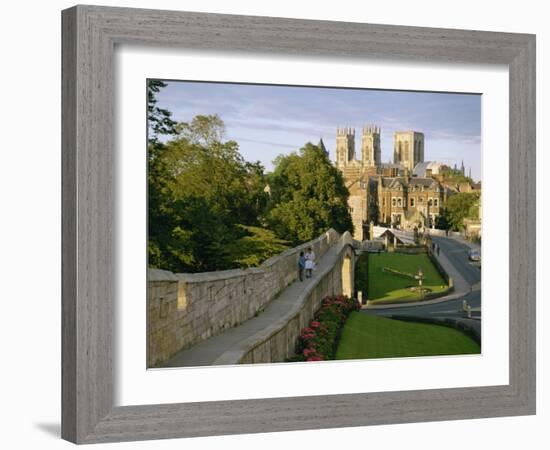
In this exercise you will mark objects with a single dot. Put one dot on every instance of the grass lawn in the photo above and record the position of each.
(366, 336)
(384, 287)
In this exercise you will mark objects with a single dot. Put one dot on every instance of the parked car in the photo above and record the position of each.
(474, 255)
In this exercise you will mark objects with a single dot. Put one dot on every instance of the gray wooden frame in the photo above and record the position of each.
(89, 37)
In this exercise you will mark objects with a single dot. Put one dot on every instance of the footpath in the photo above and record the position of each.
(227, 346)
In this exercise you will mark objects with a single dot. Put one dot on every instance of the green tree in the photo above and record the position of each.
(159, 120)
(205, 202)
(255, 247)
(202, 130)
(308, 196)
(459, 207)
(451, 175)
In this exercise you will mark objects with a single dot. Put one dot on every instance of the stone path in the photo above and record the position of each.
(218, 350)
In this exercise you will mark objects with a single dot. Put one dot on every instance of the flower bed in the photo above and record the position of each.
(318, 342)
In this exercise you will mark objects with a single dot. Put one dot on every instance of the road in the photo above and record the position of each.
(457, 253)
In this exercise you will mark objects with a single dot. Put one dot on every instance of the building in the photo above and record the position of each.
(409, 202)
(370, 146)
(370, 152)
(358, 172)
(408, 148)
(405, 194)
(427, 169)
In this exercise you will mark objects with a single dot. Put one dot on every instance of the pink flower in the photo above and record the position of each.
(315, 358)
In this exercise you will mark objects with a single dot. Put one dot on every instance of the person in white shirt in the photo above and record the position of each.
(310, 262)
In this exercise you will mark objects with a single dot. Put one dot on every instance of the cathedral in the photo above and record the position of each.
(405, 194)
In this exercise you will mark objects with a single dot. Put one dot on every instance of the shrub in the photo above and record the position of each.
(318, 341)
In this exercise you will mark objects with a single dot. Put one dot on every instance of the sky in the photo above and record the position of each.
(267, 120)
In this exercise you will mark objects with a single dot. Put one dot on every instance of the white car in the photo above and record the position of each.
(474, 255)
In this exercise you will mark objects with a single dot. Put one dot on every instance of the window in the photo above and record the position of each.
(420, 200)
(393, 201)
(436, 202)
(384, 201)
(412, 201)
(399, 202)
(430, 202)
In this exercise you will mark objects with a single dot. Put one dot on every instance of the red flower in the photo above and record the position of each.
(315, 358)
(315, 324)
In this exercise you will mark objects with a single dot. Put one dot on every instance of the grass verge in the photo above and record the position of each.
(385, 287)
(366, 336)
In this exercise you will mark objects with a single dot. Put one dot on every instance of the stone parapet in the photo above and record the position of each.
(277, 342)
(184, 309)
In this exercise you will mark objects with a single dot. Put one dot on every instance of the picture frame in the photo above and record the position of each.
(90, 34)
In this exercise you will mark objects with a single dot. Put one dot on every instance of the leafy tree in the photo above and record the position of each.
(458, 207)
(205, 202)
(159, 119)
(451, 175)
(202, 130)
(473, 212)
(255, 247)
(308, 196)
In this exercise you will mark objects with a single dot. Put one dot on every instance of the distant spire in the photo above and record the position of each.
(462, 167)
(321, 145)
(470, 172)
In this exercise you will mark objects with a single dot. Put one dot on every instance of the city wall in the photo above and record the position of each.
(277, 342)
(185, 309)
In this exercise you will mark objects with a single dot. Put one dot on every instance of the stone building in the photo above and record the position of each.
(404, 194)
(358, 172)
(346, 160)
(370, 146)
(408, 202)
(428, 169)
(408, 148)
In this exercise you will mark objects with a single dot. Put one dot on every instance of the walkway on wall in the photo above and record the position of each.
(207, 352)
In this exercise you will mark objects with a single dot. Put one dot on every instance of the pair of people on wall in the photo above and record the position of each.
(306, 264)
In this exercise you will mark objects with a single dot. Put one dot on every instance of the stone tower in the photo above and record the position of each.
(345, 146)
(408, 148)
(370, 146)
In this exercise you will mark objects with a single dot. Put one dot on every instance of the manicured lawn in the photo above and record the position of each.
(366, 336)
(385, 287)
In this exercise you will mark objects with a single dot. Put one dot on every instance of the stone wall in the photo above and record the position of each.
(435, 261)
(184, 309)
(278, 341)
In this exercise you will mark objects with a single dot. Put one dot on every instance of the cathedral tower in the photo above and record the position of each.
(370, 146)
(408, 148)
(345, 146)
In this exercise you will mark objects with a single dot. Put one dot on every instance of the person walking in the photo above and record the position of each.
(301, 266)
(310, 262)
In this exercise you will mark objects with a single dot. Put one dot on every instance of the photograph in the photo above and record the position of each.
(309, 224)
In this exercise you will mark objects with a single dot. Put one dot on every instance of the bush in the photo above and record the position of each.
(318, 341)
